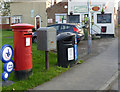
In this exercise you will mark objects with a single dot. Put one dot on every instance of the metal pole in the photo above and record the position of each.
(89, 30)
(47, 60)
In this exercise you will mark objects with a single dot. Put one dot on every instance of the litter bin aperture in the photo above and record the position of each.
(65, 49)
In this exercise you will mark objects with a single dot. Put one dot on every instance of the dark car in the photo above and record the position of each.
(60, 28)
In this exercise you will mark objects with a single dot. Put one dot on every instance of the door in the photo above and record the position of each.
(37, 22)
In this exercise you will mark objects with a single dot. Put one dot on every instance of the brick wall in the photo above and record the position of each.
(5, 26)
(57, 8)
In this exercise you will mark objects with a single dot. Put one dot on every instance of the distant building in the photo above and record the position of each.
(32, 12)
(102, 23)
(58, 13)
(50, 3)
(5, 22)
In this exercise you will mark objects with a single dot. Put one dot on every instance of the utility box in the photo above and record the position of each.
(46, 38)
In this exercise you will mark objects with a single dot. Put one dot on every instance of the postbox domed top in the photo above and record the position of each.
(22, 26)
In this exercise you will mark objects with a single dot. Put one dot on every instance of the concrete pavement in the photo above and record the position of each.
(91, 75)
(114, 86)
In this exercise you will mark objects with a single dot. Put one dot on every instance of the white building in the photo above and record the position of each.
(103, 23)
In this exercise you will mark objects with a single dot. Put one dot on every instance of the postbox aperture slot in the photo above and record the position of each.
(28, 34)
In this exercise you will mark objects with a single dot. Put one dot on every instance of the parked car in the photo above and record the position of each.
(34, 37)
(65, 28)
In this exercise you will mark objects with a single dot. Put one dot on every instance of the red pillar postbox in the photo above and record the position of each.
(22, 41)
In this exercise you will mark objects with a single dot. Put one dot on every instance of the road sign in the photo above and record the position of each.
(6, 53)
(5, 75)
(8, 67)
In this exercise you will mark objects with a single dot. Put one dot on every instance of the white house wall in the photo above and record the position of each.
(110, 9)
(110, 26)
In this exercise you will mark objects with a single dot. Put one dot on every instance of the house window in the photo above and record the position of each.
(104, 18)
(60, 18)
(74, 19)
(4, 20)
(16, 19)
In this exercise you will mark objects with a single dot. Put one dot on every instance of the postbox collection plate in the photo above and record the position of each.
(28, 41)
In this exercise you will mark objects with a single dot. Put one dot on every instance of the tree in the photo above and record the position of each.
(4, 8)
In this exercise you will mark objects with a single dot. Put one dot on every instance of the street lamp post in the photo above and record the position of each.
(89, 29)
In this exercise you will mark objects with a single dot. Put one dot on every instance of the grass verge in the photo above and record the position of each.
(80, 61)
(40, 75)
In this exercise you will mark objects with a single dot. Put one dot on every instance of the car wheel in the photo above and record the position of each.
(35, 40)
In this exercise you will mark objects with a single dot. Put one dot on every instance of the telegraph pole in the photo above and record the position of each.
(89, 29)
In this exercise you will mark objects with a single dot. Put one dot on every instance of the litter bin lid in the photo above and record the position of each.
(64, 35)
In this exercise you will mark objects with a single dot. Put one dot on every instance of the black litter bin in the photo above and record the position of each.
(65, 49)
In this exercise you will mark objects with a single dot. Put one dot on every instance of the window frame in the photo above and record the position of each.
(17, 18)
(77, 16)
(64, 15)
(6, 19)
(110, 14)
